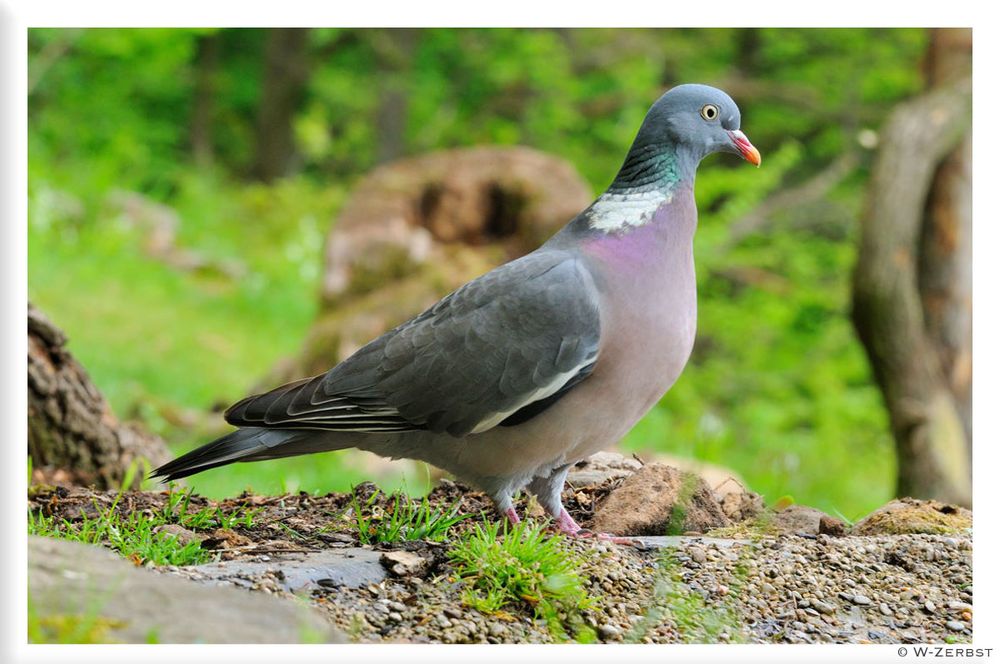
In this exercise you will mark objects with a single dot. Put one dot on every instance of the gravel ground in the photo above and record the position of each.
(888, 589)
(792, 588)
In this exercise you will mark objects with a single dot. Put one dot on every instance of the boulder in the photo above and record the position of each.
(911, 515)
(802, 520)
(74, 583)
(417, 228)
(659, 500)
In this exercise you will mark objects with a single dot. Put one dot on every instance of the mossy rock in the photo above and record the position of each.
(912, 516)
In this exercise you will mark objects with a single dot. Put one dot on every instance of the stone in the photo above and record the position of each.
(601, 467)
(136, 605)
(832, 526)
(178, 532)
(910, 515)
(404, 563)
(331, 568)
(799, 520)
(740, 505)
(659, 500)
(608, 632)
(955, 625)
(823, 607)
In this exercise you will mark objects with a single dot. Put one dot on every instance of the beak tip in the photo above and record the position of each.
(745, 147)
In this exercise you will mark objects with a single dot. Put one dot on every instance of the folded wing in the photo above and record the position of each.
(499, 350)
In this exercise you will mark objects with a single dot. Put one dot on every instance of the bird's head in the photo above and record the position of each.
(697, 120)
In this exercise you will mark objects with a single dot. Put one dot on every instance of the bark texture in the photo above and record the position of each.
(286, 70)
(71, 429)
(946, 244)
(890, 312)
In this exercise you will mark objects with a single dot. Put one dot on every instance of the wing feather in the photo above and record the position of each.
(516, 339)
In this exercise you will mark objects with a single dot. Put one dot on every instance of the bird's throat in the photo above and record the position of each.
(647, 180)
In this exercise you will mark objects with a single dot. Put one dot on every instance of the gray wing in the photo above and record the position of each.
(498, 350)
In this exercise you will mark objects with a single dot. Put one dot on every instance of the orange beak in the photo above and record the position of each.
(745, 147)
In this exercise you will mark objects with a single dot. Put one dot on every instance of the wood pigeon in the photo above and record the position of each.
(520, 373)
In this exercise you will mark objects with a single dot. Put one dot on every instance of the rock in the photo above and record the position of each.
(225, 538)
(417, 228)
(608, 632)
(330, 568)
(723, 481)
(598, 468)
(910, 515)
(955, 625)
(404, 563)
(180, 533)
(659, 500)
(740, 505)
(799, 520)
(861, 600)
(823, 607)
(832, 526)
(135, 605)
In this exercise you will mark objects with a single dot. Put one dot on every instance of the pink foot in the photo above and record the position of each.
(566, 524)
(569, 526)
(511, 515)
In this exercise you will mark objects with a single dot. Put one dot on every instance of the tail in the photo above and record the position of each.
(245, 444)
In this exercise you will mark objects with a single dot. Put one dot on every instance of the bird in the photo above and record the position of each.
(515, 376)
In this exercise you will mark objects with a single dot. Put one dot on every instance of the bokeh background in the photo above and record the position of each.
(254, 138)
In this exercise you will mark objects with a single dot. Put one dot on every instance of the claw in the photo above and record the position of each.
(567, 525)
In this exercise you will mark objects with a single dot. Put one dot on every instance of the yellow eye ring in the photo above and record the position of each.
(710, 112)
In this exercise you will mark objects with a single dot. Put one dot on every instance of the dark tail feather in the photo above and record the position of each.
(240, 445)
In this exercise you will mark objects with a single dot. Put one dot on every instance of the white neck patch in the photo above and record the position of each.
(617, 212)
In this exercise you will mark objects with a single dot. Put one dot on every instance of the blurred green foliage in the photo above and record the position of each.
(778, 388)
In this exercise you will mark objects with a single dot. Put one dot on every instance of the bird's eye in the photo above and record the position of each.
(709, 111)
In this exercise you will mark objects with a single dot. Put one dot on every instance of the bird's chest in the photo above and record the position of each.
(649, 316)
(649, 342)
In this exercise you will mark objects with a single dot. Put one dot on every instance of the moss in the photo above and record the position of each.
(910, 516)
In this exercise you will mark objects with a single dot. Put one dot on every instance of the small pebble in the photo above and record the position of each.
(861, 600)
(608, 632)
(823, 607)
(955, 625)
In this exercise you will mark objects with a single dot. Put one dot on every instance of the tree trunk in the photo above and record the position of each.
(206, 71)
(286, 70)
(946, 245)
(889, 314)
(394, 53)
(71, 429)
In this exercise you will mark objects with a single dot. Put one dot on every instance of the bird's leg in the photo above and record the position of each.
(566, 524)
(548, 490)
(505, 505)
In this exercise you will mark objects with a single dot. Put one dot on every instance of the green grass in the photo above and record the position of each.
(64, 628)
(403, 519)
(134, 536)
(506, 566)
